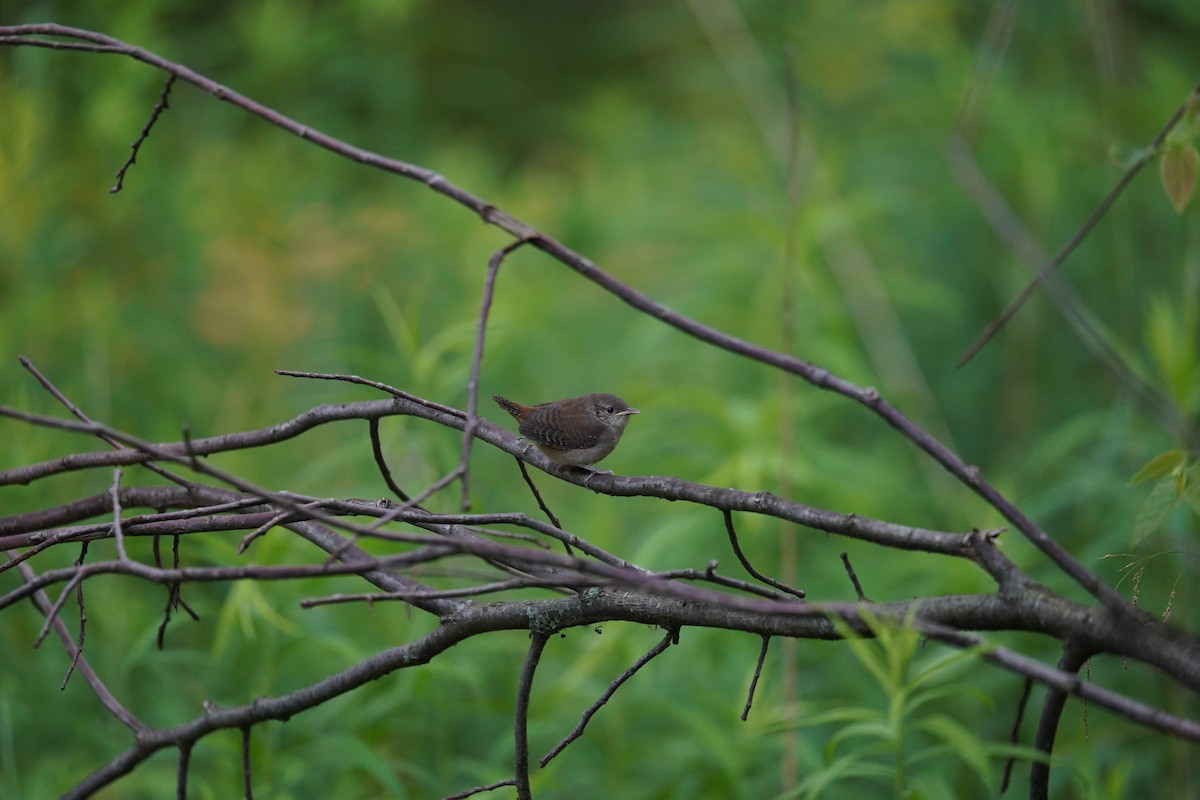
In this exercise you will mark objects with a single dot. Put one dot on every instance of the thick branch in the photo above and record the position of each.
(689, 607)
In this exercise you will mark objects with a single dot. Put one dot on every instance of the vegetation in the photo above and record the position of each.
(862, 188)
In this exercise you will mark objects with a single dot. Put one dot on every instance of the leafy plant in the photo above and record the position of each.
(903, 744)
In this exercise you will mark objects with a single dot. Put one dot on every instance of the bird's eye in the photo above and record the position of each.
(611, 409)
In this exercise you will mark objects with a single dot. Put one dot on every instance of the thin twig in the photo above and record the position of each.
(1016, 236)
(60, 397)
(538, 497)
(274, 572)
(159, 107)
(82, 635)
(52, 615)
(762, 656)
(710, 575)
(381, 461)
(858, 590)
(181, 771)
(80, 661)
(576, 583)
(248, 539)
(537, 643)
(77, 412)
(489, 288)
(414, 502)
(118, 533)
(480, 789)
(419, 517)
(737, 550)
(185, 433)
(174, 592)
(1014, 733)
(279, 519)
(1148, 154)
(399, 394)
(144, 449)
(671, 638)
(248, 787)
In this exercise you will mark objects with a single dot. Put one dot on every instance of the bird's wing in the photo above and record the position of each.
(547, 426)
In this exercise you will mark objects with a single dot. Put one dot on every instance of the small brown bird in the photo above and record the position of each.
(578, 431)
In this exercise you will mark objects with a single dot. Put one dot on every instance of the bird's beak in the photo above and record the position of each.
(627, 411)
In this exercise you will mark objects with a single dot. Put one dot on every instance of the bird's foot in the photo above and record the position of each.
(591, 473)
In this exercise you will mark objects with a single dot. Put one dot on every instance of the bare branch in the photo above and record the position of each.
(80, 661)
(1147, 155)
(82, 636)
(159, 107)
(737, 550)
(854, 526)
(1014, 734)
(858, 590)
(537, 496)
(248, 787)
(758, 665)
(181, 774)
(537, 643)
(480, 789)
(489, 287)
(672, 637)
(118, 534)
(381, 462)
(1052, 707)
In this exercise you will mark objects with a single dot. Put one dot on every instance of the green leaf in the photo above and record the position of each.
(1178, 168)
(1171, 342)
(944, 664)
(836, 715)
(878, 731)
(840, 771)
(244, 608)
(1155, 509)
(867, 652)
(934, 693)
(1191, 488)
(1191, 117)
(1160, 466)
(964, 743)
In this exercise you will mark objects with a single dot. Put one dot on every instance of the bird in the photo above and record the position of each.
(578, 431)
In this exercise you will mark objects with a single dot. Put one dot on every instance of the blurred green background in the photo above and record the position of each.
(652, 138)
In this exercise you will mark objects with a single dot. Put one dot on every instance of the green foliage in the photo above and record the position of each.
(1176, 483)
(651, 140)
(1179, 162)
(1173, 339)
(905, 746)
(1179, 166)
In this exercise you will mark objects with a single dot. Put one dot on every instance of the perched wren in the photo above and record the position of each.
(576, 432)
